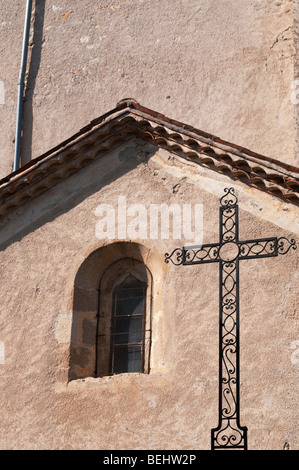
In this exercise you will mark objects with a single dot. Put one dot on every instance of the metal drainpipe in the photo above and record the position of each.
(21, 84)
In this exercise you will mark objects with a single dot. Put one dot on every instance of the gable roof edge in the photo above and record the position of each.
(262, 172)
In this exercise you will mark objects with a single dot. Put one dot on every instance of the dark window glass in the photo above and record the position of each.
(129, 301)
(128, 330)
(127, 359)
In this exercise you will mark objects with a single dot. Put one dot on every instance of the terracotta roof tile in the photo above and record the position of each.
(129, 119)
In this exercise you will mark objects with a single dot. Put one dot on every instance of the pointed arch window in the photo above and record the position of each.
(124, 325)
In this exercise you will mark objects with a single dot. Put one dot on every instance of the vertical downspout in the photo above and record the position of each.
(21, 85)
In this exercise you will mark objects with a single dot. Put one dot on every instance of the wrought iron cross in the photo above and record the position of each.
(229, 434)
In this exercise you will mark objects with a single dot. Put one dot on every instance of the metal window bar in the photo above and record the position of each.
(128, 344)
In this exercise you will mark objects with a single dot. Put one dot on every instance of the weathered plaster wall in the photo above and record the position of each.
(224, 67)
(174, 407)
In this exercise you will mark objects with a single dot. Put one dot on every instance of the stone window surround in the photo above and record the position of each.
(85, 302)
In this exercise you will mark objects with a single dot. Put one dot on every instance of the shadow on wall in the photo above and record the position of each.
(79, 186)
(36, 44)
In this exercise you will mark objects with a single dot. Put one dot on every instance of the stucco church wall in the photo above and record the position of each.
(174, 406)
(225, 67)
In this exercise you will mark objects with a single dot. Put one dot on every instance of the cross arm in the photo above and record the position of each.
(265, 247)
(208, 253)
(249, 249)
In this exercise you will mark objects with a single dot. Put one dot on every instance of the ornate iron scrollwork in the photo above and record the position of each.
(284, 245)
(176, 257)
(229, 434)
(229, 198)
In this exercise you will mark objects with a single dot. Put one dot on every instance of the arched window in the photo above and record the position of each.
(113, 299)
(123, 331)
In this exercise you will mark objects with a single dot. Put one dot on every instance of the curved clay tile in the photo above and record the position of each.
(243, 165)
(241, 174)
(293, 184)
(225, 169)
(191, 155)
(208, 161)
(193, 144)
(226, 158)
(276, 192)
(259, 171)
(258, 182)
(209, 151)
